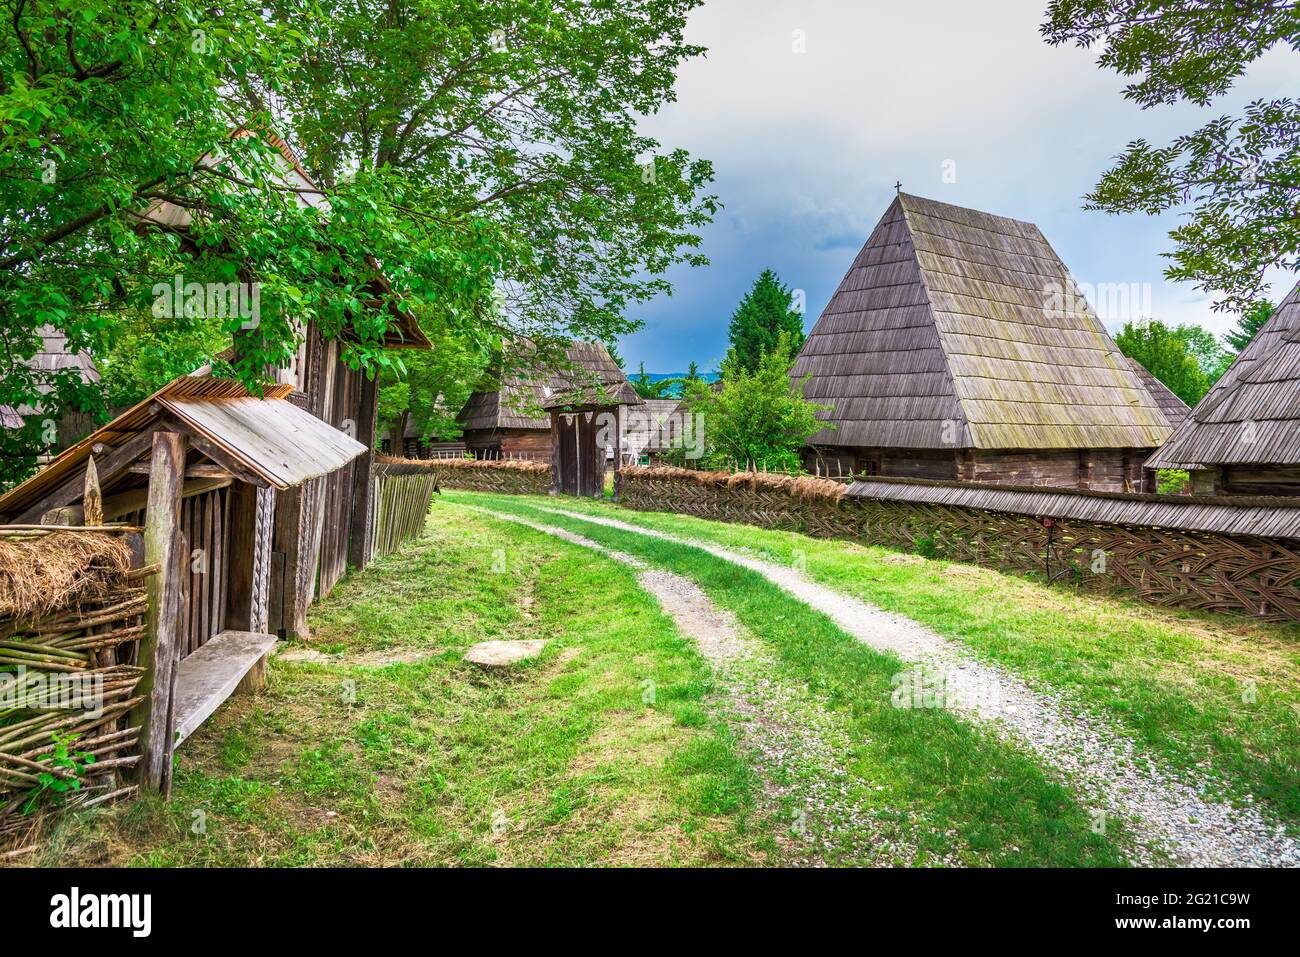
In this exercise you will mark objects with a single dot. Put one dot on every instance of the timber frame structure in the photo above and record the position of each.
(199, 465)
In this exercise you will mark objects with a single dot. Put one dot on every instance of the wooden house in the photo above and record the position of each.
(509, 417)
(202, 466)
(1243, 438)
(959, 348)
(322, 525)
(647, 431)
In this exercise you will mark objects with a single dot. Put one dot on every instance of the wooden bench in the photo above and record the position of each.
(211, 674)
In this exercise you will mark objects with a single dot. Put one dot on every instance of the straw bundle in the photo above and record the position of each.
(800, 487)
(43, 572)
(73, 612)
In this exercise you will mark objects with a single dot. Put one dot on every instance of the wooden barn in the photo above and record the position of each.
(201, 465)
(509, 418)
(1243, 438)
(959, 348)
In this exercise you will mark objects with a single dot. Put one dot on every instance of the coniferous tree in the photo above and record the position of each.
(759, 321)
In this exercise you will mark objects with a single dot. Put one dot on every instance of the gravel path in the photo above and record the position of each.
(799, 747)
(1174, 820)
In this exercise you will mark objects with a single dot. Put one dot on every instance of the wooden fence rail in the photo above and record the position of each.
(402, 497)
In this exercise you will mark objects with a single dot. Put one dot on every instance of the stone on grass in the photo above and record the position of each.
(501, 654)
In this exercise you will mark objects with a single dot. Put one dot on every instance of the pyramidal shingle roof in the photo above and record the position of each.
(959, 329)
(1252, 414)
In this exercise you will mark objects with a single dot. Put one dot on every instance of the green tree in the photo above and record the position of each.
(1165, 354)
(764, 316)
(1249, 323)
(646, 388)
(758, 418)
(474, 150)
(430, 390)
(1237, 173)
(692, 373)
(1207, 350)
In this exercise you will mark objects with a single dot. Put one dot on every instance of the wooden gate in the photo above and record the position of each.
(579, 465)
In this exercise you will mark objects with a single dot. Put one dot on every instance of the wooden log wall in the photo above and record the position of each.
(1238, 574)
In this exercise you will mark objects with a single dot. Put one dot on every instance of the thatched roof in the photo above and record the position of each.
(1175, 409)
(1252, 415)
(587, 375)
(959, 329)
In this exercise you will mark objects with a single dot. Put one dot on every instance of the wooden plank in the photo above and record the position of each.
(360, 533)
(158, 648)
(124, 503)
(208, 677)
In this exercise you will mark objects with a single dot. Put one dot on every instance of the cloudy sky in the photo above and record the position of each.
(807, 147)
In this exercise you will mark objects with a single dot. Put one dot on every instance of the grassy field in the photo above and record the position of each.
(394, 751)
(380, 746)
(1218, 693)
(971, 797)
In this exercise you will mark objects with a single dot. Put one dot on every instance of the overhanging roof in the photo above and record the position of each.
(1252, 414)
(269, 437)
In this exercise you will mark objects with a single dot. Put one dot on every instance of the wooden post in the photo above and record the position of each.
(92, 501)
(361, 534)
(158, 645)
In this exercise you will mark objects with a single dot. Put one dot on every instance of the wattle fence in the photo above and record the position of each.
(1219, 554)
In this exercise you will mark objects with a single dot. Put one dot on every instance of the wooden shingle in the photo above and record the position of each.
(953, 323)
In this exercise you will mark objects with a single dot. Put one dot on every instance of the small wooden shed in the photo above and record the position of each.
(1243, 438)
(199, 465)
(508, 416)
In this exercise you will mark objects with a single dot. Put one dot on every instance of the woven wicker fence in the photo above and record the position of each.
(1239, 574)
(71, 616)
(508, 478)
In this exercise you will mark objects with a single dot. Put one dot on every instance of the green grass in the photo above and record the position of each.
(1201, 690)
(967, 789)
(435, 762)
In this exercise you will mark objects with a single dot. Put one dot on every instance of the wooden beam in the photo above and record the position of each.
(72, 488)
(159, 646)
(199, 470)
(232, 465)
